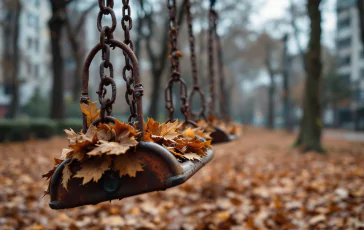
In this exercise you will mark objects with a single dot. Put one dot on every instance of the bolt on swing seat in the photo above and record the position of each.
(161, 169)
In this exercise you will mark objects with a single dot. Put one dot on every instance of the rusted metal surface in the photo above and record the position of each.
(196, 90)
(161, 168)
(219, 136)
(127, 25)
(134, 92)
(138, 88)
(161, 171)
(175, 76)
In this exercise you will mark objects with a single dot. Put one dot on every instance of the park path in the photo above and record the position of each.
(256, 182)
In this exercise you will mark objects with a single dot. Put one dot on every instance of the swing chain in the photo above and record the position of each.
(106, 34)
(212, 29)
(130, 97)
(196, 86)
(220, 58)
(175, 77)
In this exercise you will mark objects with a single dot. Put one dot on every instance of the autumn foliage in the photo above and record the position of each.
(112, 146)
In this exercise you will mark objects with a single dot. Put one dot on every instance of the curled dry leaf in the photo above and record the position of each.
(114, 148)
(120, 128)
(93, 169)
(192, 156)
(66, 153)
(66, 175)
(91, 111)
(169, 130)
(127, 165)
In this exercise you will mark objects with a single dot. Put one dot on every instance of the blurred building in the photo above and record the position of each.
(350, 56)
(34, 49)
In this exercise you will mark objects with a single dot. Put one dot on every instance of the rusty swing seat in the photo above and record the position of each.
(220, 136)
(161, 169)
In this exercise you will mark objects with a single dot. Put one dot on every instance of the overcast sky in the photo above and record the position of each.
(275, 9)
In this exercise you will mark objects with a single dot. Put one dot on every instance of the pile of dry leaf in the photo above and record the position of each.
(112, 146)
(256, 182)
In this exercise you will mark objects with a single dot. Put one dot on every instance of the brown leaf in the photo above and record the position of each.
(147, 137)
(93, 169)
(120, 128)
(66, 153)
(173, 151)
(66, 175)
(114, 148)
(49, 174)
(71, 135)
(169, 130)
(153, 127)
(91, 111)
(192, 156)
(105, 133)
(127, 165)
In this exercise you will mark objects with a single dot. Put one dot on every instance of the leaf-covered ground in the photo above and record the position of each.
(257, 182)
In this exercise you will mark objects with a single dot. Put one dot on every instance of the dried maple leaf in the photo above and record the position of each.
(93, 169)
(189, 132)
(57, 161)
(127, 165)
(207, 143)
(152, 126)
(192, 156)
(66, 175)
(207, 127)
(66, 153)
(49, 174)
(194, 146)
(147, 137)
(71, 135)
(169, 130)
(91, 111)
(90, 134)
(120, 128)
(105, 132)
(173, 151)
(114, 148)
(79, 149)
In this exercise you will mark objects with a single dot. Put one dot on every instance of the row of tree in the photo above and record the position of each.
(151, 43)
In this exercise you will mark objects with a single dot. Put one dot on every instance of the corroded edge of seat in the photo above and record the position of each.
(220, 136)
(156, 177)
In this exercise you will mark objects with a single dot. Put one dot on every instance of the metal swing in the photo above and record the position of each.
(219, 135)
(161, 169)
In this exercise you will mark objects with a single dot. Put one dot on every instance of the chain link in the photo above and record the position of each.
(175, 77)
(127, 25)
(223, 93)
(106, 34)
(211, 33)
(196, 87)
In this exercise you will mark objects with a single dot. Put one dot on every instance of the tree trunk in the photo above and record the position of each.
(309, 137)
(271, 108)
(286, 90)
(14, 105)
(154, 106)
(57, 103)
(78, 57)
(159, 61)
(271, 90)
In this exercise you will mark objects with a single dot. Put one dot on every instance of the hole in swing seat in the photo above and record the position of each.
(161, 171)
